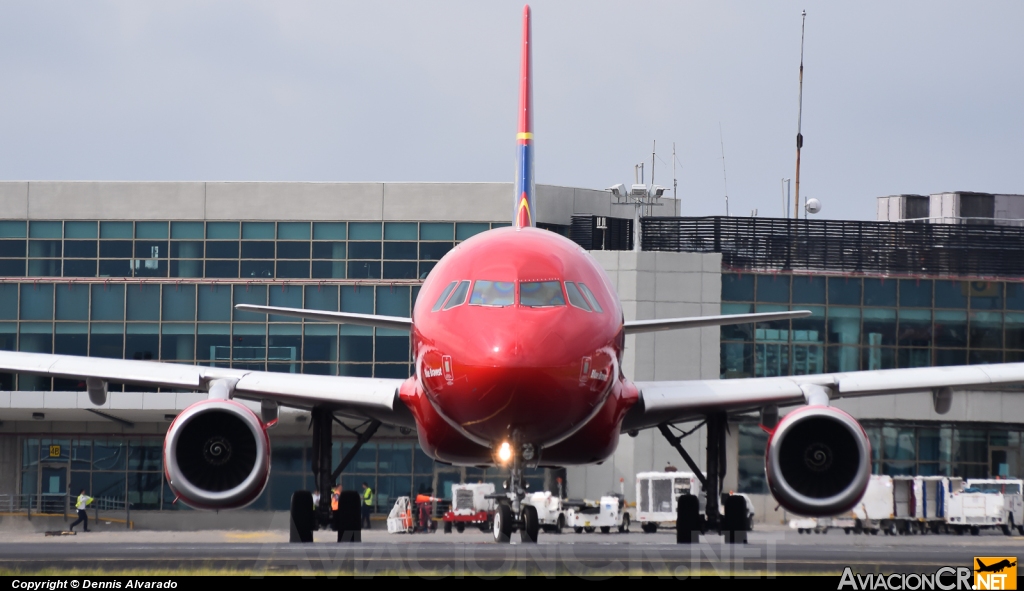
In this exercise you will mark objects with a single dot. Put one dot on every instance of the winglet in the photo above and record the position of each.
(524, 211)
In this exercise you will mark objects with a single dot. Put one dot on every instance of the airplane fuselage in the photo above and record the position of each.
(518, 337)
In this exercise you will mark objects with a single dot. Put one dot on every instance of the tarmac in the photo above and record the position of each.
(771, 551)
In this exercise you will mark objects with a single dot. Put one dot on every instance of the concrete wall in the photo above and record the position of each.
(129, 200)
(658, 285)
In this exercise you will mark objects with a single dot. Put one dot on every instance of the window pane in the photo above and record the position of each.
(115, 249)
(285, 296)
(1014, 331)
(400, 231)
(400, 251)
(261, 269)
(108, 454)
(329, 230)
(221, 250)
(364, 250)
(986, 295)
(250, 294)
(214, 302)
(12, 248)
(151, 230)
(108, 302)
(213, 343)
(187, 250)
(355, 344)
(141, 342)
(950, 294)
(221, 269)
(437, 231)
(466, 230)
(393, 301)
(80, 249)
(257, 231)
(879, 326)
(950, 329)
(115, 268)
(364, 270)
(808, 290)
(541, 293)
(915, 328)
(80, 230)
(737, 288)
(222, 230)
(433, 251)
(459, 296)
(293, 250)
(591, 298)
(321, 343)
(843, 290)
(986, 330)
(116, 230)
(944, 357)
(179, 302)
(502, 293)
(773, 288)
(44, 268)
(79, 268)
(293, 230)
(328, 250)
(187, 230)
(322, 297)
(879, 292)
(844, 325)
(45, 230)
(72, 302)
(293, 269)
(9, 301)
(13, 229)
(106, 339)
(257, 250)
(178, 342)
(44, 248)
(36, 301)
(397, 270)
(364, 231)
(737, 360)
(356, 299)
(143, 302)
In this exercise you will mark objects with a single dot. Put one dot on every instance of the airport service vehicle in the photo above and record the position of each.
(986, 504)
(400, 519)
(607, 513)
(473, 505)
(550, 512)
(657, 494)
(919, 502)
(533, 320)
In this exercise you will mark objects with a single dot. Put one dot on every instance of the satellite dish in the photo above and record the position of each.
(813, 206)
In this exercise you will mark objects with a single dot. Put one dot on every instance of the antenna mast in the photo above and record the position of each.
(674, 182)
(725, 180)
(654, 150)
(799, 118)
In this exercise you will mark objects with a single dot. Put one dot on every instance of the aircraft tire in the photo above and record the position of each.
(529, 525)
(624, 528)
(687, 519)
(560, 525)
(348, 517)
(302, 517)
(460, 527)
(502, 528)
(735, 520)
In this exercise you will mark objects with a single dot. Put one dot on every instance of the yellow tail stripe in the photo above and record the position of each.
(524, 135)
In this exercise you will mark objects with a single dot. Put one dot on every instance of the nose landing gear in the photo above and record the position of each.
(513, 514)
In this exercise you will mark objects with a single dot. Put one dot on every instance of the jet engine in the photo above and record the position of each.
(217, 455)
(818, 461)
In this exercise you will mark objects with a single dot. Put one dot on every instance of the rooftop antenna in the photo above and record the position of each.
(654, 150)
(725, 180)
(675, 183)
(799, 117)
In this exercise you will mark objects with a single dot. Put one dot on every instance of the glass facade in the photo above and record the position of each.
(968, 450)
(228, 250)
(864, 323)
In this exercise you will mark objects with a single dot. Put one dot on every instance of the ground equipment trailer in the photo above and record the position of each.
(472, 505)
(986, 504)
(919, 502)
(657, 494)
(551, 514)
(609, 512)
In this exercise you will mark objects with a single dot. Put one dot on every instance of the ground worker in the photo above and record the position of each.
(367, 505)
(83, 517)
(423, 507)
(335, 495)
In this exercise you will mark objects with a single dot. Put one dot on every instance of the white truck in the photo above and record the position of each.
(472, 504)
(657, 494)
(607, 513)
(550, 512)
(986, 503)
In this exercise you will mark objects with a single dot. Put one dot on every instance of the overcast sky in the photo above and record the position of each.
(899, 97)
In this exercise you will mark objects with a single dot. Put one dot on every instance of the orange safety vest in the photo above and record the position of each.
(334, 501)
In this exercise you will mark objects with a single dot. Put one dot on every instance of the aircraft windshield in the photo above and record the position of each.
(492, 293)
(541, 294)
(443, 296)
(575, 297)
(590, 298)
(459, 297)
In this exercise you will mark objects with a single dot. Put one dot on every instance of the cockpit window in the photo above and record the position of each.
(590, 298)
(539, 294)
(443, 296)
(575, 297)
(492, 293)
(459, 297)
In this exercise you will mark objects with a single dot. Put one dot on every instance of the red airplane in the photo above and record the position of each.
(511, 321)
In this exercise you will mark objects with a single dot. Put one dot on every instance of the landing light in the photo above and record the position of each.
(504, 452)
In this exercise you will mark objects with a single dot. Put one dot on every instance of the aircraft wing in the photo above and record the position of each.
(638, 326)
(678, 401)
(398, 322)
(374, 398)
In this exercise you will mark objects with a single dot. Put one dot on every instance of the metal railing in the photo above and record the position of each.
(111, 508)
(844, 246)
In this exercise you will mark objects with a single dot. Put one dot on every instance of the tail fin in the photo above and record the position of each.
(524, 213)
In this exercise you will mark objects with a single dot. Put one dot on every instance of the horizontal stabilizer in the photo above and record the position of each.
(336, 317)
(638, 326)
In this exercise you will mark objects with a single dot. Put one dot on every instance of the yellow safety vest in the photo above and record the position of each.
(83, 501)
(368, 496)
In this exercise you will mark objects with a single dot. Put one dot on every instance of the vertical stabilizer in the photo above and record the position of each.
(524, 213)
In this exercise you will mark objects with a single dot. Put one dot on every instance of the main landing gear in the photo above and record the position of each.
(307, 517)
(513, 514)
(733, 525)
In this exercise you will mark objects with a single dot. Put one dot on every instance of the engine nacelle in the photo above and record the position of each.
(818, 461)
(217, 455)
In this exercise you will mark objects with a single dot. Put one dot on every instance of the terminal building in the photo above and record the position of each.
(151, 270)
